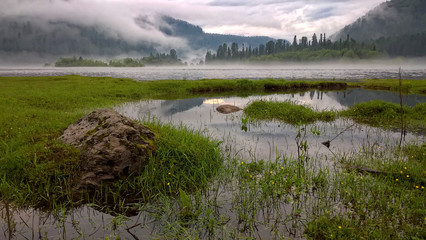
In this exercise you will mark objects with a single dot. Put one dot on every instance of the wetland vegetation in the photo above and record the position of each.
(193, 187)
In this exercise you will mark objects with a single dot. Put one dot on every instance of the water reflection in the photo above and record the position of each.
(173, 107)
(266, 140)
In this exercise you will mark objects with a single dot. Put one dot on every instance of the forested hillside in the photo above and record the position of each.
(397, 26)
(60, 38)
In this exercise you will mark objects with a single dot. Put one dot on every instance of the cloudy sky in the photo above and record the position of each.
(275, 18)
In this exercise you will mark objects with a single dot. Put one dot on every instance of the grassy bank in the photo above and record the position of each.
(408, 86)
(37, 169)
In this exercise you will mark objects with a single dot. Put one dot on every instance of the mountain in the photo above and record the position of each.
(389, 19)
(397, 26)
(56, 38)
(199, 39)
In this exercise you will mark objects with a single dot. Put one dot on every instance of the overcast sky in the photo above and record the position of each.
(275, 18)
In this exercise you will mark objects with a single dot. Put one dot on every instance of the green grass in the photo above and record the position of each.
(286, 111)
(37, 170)
(36, 109)
(408, 86)
(375, 113)
(183, 161)
(384, 114)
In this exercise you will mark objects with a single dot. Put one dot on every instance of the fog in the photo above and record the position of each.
(115, 19)
(348, 71)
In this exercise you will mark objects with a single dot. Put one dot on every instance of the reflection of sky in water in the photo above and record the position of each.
(264, 140)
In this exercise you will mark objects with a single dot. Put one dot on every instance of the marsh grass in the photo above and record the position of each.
(205, 197)
(385, 114)
(389, 205)
(374, 113)
(286, 111)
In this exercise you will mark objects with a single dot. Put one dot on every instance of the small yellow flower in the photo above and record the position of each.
(396, 179)
(340, 227)
(247, 170)
(168, 184)
(405, 168)
(251, 176)
(423, 187)
(270, 172)
(341, 183)
(380, 147)
(417, 186)
(412, 156)
(242, 162)
(282, 168)
(401, 172)
(273, 183)
(408, 176)
(170, 173)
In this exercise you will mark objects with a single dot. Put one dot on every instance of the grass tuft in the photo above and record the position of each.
(286, 111)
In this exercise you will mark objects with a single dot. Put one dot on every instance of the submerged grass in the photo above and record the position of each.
(389, 205)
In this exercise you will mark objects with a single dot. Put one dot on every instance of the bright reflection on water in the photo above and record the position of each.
(261, 141)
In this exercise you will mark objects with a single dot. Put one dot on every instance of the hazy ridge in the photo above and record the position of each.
(40, 38)
(397, 26)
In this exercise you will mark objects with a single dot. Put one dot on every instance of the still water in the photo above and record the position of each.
(267, 140)
(284, 71)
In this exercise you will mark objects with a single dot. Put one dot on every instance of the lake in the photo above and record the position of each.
(338, 71)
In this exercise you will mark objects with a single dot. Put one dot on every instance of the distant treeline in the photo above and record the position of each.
(303, 50)
(156, 60)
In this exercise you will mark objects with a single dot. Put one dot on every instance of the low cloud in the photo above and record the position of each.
(275, 18)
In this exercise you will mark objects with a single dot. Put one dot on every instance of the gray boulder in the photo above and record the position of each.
(112, 146)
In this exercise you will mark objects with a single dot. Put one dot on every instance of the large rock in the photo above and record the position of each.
(112, 146)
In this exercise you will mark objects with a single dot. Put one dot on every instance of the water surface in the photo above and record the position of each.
(283, 71)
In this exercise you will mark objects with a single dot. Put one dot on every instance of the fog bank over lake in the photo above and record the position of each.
(340, 71)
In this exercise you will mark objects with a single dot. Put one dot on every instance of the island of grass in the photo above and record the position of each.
(375, 113)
